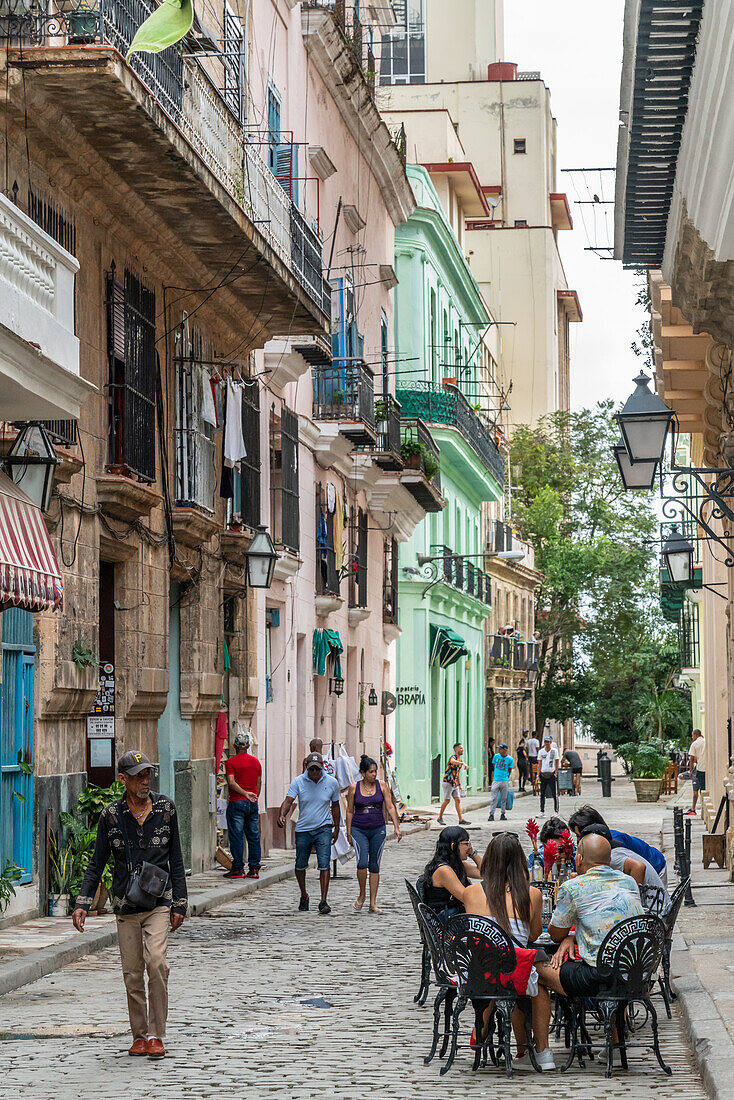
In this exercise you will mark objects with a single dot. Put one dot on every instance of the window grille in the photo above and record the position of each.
(390, 582)
(284, 485)
(250, 466)
(195, 475)
(52, 221)
(132, 373)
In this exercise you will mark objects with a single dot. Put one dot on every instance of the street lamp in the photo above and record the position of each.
(678, 556)
(336, 686)
(261, 558)
(31, 462)
(638, 475)
(644, 421)
(372, 698)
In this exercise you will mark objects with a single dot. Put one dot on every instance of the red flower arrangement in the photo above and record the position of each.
(532, 829)
(565, 846)
(550, 855)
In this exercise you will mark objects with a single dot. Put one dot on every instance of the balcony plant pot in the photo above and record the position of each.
(58, 905)
(647, 790)
(413, 462)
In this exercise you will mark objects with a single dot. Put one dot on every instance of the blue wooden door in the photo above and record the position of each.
(16, 741)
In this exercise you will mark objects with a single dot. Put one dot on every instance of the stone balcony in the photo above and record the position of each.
(162, 140)
(39, 351)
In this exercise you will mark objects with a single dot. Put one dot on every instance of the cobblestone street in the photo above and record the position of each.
(266, 1002)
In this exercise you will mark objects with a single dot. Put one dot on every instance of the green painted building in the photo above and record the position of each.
(440, 319)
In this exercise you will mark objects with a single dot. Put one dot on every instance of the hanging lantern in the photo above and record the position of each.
(31, 462)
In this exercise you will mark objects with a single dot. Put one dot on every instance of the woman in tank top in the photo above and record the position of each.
(504, 894)
(367, 801)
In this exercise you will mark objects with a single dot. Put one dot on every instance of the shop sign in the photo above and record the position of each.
(411, 696)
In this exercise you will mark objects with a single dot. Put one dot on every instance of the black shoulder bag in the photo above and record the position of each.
(146, 882)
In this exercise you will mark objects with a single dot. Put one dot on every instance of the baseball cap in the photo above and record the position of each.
(131, 763)
(502, 745)
(547, 736)
(314, 760)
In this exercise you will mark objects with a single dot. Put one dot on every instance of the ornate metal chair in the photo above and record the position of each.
(630, 957)
(435, 933)
(676, 899)
(482, 956)
(416, 899)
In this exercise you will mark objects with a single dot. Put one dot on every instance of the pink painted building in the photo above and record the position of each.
(335, 495)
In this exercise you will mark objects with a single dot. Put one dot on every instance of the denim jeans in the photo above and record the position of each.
(242, 821)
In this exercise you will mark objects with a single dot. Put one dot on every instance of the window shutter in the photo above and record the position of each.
(283, 169)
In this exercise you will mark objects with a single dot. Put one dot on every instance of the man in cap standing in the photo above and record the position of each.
(503, 764)
(140, 830)
(319, 818)
(244, 777)
(549, 759)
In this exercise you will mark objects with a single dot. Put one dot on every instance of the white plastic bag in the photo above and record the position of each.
(346, 770)
(342, 850)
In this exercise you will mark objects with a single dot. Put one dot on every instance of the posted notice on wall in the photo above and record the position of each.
(100, 725)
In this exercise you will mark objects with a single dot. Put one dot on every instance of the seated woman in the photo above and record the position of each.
(446, 875)
(506, 896)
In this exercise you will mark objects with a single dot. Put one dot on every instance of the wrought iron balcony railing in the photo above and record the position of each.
(447, 405)
(344, 392)
(510, 653)
(420, 452)
(388, 422)
(202, 96)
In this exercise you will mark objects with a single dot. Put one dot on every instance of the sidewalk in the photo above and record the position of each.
(45, 944)
(703, 961)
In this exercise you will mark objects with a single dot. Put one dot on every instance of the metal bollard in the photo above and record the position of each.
(688, 899)
(678, 843)
(604, 767)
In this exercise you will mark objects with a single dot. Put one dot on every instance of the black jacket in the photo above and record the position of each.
(155, 841)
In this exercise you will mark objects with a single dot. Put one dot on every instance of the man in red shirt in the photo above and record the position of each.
(244, 777)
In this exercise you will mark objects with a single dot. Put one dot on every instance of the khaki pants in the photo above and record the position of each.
(143, 941)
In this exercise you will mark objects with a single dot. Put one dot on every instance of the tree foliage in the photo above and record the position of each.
(606, 653)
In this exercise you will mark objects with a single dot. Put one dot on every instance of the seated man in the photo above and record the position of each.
(594, 901)
(587, 815)
(656, 897)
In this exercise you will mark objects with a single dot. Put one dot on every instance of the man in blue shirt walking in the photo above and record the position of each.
(501, 781)
(319, 818)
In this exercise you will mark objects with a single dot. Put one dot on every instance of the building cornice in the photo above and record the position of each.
(337, 66)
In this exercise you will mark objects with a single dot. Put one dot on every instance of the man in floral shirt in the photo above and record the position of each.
(592, 903)
(141, 826)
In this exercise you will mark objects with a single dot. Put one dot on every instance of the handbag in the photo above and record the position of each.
(510, 799)
(147, 882)
(522, 978)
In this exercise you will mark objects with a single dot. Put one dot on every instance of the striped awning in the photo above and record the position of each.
(446, 646)
(29, 572)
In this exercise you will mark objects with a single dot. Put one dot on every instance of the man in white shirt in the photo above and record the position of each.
(549, 759)
(532, 745)
(697, 753)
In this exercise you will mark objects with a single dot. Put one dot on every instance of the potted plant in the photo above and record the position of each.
(430, 465)
(80, 825)
(647, 765)
(61, 864)
(410, 452)
(9, 875)
(381, 416)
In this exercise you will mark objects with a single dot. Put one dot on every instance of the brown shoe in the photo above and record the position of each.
(139, 1047)
(156, 1049)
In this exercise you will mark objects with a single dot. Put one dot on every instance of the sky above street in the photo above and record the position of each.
(577, 47)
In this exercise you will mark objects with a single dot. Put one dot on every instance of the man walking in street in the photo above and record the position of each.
(533, 746)
(697, 753)
(140, 833)
(244, 778)
(549, 759)
(573, 760)
(452, 784)
(501, 782)
(319, 818)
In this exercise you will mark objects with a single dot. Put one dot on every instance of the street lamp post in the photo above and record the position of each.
(31, 462)
(260, 557)
(637, 475)
(678, 556)
(644, 422)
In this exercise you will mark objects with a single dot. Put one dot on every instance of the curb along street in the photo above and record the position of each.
(22, 971)
(710, 1039)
